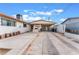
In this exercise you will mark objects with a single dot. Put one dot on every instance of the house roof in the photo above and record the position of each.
(42, 22)
(69, 19)
(3, 15)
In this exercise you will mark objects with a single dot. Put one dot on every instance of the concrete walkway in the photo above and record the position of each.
(42, 43)
(15, 42)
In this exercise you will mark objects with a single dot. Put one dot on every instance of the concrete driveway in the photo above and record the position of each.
(42, 43)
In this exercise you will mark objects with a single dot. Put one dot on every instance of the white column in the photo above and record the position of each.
(64, 28)
(46, 28)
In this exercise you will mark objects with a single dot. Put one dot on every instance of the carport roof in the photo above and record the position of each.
(42, 22)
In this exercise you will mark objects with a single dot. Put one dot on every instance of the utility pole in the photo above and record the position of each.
(49, 18)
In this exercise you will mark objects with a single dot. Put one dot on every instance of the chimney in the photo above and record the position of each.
(19, 16)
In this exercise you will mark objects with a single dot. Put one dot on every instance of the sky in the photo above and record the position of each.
(56, 12)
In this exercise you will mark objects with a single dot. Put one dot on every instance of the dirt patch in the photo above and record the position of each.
(3, 51)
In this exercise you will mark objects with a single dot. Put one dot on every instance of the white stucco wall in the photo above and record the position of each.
(10, 29)
(28, 27)
(19, 24)
(61, 28)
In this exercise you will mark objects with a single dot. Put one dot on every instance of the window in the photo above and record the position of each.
(6, 22)
(24, 25)
(3, 22)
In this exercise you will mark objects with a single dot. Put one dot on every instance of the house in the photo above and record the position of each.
(71, 28)
(10, 26)
(72, 25)
(41, 25)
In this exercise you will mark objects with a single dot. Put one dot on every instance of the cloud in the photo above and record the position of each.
(38, 12)
(28, 11)
(59, 10)
(62, 19)
(44, 13)
(34, 18)
(28, 18)
(25, 16)
(48, 13)
(31, 18)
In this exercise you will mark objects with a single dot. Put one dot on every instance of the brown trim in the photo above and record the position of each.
(3, 15)
(6, 16)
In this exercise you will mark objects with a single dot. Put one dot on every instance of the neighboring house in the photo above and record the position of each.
(10, 21)
(70, 25)
(10, 26)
